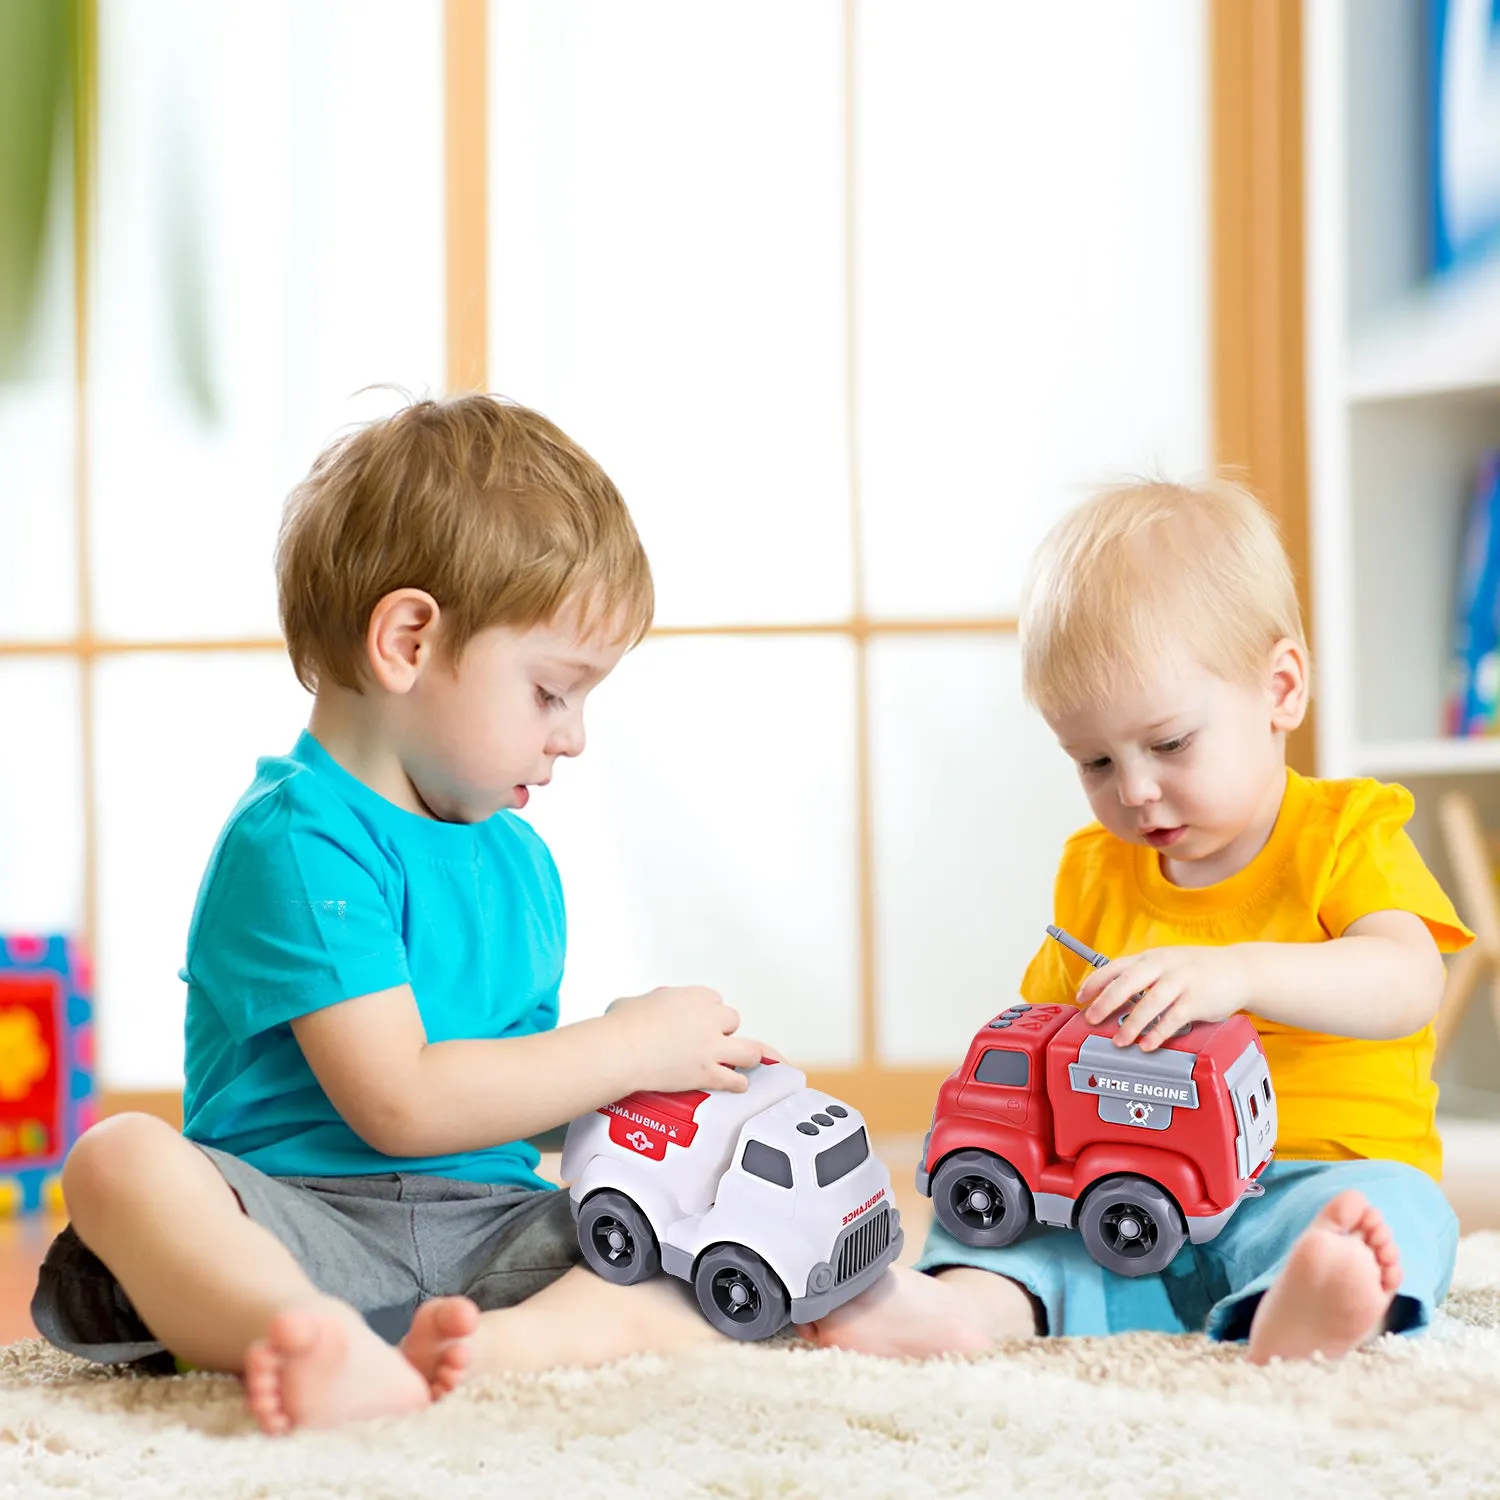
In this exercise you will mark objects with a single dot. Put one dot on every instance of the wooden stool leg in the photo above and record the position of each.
(1478, 903)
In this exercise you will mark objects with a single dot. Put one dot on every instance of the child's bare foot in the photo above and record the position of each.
(907, 1313)
(437, 1344)
(1335, 1288)
(315, 1368)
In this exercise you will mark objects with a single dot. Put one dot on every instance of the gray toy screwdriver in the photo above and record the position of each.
(1070, 942)
(1098, 960)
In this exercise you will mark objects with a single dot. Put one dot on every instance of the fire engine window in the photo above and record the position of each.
(999, 1065)
(767, 1162)
(839, 1161)
(1265, 1084)
(1254, 1108)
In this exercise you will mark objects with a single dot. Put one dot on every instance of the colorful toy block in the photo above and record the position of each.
(46, 1065)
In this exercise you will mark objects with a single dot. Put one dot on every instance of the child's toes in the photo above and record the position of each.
(1346, 1212)
(450, 1370)
(262, 1379)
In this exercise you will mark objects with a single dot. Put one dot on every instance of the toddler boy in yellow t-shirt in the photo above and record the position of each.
(1161, 640)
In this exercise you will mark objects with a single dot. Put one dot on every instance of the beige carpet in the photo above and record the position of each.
(1142, 1415)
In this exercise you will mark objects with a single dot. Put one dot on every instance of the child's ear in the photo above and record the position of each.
(1289, 684)
(401, 638)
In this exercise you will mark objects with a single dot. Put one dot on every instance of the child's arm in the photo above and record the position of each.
(406, 1096)
(1382, 978)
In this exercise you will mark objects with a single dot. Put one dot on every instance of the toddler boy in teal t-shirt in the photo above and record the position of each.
(374, 961)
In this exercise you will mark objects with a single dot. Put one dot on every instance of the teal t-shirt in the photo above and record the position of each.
(319, 890)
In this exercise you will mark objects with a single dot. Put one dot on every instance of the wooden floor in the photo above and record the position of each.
(1472, 1183)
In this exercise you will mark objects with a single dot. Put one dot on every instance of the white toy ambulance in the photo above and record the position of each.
(770, 1203)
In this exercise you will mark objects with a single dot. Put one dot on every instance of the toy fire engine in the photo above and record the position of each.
(769, 1203)
(1048, 1119)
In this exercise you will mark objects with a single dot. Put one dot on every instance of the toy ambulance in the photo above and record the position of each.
(1048, 1120)
(769, 1203)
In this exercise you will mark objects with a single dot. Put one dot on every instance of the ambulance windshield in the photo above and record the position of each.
(840, 1160)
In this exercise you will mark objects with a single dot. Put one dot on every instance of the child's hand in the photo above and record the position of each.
(684, 1038)
(1175, 986)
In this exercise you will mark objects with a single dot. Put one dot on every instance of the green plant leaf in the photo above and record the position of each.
(37, 39)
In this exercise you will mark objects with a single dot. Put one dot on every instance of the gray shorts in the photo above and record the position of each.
(385, 1244)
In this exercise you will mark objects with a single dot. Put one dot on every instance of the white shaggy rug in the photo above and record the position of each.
(1139, 1415)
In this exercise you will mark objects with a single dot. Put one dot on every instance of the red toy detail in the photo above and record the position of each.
(648, 1122)
(31, 1103)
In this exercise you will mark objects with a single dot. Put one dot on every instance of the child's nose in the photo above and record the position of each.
(1137, 789)
(567, 738)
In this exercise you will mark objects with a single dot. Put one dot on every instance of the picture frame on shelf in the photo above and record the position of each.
(1464, 126)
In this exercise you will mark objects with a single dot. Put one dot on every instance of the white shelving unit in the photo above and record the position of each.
(1403, 398)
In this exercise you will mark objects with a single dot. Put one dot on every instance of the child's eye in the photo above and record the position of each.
(1094, 767)
(1173, 747)
(549, 700)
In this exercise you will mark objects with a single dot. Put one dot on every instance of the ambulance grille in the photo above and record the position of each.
(864, 1244)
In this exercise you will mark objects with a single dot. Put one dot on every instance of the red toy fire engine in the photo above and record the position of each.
(1048, 1119)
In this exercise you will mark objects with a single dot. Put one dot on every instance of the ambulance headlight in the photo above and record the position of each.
(820, 1278)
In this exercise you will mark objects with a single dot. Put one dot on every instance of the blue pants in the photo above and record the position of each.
(1214, 1288)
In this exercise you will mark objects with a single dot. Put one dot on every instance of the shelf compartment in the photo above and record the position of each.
(1443, 340)
(1470, 755)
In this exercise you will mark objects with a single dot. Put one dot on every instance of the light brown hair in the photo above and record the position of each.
(484, 504)
(1143, 570)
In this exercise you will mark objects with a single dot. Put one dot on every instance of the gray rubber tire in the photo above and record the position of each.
(1130, 1226)
(740, 1294)
(617, 1239)
(980, 1199)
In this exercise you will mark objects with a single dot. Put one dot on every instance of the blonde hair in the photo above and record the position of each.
(1147, 568)
(482, 503)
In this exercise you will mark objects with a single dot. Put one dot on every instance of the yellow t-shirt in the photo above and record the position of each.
(1339, 851)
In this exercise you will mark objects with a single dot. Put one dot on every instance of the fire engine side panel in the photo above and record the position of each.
(1167, 1169)
(1200, 1133)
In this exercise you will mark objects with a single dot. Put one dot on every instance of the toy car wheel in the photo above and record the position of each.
(1131, 1226)
(740, 1294)
(980, 1199)
(617, 1239)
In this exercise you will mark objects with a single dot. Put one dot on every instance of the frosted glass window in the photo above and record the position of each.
(666, 280)
(972, 800)
(1032, 252)
(270, 242)
(38, 573)
(178, 738)
(41, 797)
(707, 836)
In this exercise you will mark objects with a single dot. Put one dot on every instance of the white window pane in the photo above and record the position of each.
(270, 242)
(707, 836)
(972, 800)
(38, 568)
(1032, 258)
(38, 571)
(666, 280)
(41, 797)
(178, 737)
